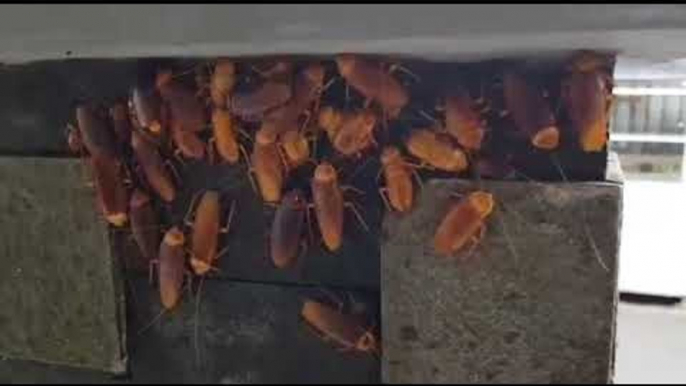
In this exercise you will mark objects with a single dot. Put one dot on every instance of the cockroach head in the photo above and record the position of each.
(325, 172)
(346, 64)
(390, 155)
(265, 137)
(174, 237)
(482, 201)
(224, 67)
(547, 138)
(314, 73)
(327, 117)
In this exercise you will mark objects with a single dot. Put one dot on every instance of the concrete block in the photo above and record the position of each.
(60, 295)
(535, 302)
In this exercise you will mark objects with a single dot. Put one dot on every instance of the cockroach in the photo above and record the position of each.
(464, 222)
(188, 143)
(222, 82)
(587, 61)
(287, 228)
(153, 167)
(107, 173)
(186, 112)
(172, 268)
(144, 224)
(252, 106)
(331, 119)
(296, 148)
(463, 121)
(374, 83)
(121, 122)
(348, 331)
(268, 166)
(587, 99)
(530, 111)
(206, 230)
(224, 136)
(329, 204)
(438, 153)
(398, 194)
(147, 106)
(355, 133)
(96, 134)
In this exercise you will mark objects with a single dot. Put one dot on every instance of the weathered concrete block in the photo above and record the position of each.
(61, 302)
(535, 302)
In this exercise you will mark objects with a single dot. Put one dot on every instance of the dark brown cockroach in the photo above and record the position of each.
(370, 80)
(286, 236)
(530, 111)
(267, 165)
(96, 134)
(224, 136)
(153, 167)
(109, 185)
(186, 111)
(463, 121)
(347, 331)
(171, 261)
(329, 204)
(587, 99)
(222, 82)
(436, 152)
(121, 122)
(206, 231)
(253, 105)
(188, 143)
(464, 223)
(144, 225)
(147, 106)
(398, 194)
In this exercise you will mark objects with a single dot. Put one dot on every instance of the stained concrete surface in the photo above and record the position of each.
(534, 303)
(61, 300)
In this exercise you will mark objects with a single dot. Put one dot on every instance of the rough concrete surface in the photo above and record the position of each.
(535, 302)
(60, 298)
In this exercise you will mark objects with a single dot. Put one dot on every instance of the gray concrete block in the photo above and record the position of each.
(535, 302)
(61, 300)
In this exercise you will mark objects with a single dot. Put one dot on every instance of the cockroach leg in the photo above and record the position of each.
(244, 134)
(428, 116)
(171, 167)
(250, 169)
(210, 151)
(151, 270)
(186, 217)
(352, 189)
(398, 67)
(416, 177)
(355, 211)
(229, 218)
(383, 193)
(367, 103)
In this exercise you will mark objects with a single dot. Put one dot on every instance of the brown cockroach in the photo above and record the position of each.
(186, 111)
(436, 152)
(147, 106)
(330, 119)
(398, 194)
(463, 121)
(587, 99)
(348, 331)
(530, 111)
(222, 82)
(291, 216)
(464, 223)
(153, 167)
(356, 132)
(109, 184)
(296, 148)
(206, 230)
(224, 136)
(252, 106)
(121, 122)
(144, 225)
(374, 83)
(329, 204)
(96, 134)
(267, 165)
(171, 261)
(188, 143)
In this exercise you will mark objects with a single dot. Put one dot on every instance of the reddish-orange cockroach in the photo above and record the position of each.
(463, 121)
(252, 106)
(464, 223)
(147, 106)
(266, 163)
(222, 82)
(96, 134)
(224, 136)
(436, 152)
(112, 195)
(171, 261)
(398, 194)
(188, 143)
(348, 331)
(296, 148)
(291, 216)
(206, 230)
(530, 111)
(121, 122)
(587, 99)
(153, 167)
(355, 133)
(329, 204)
(186, 111)
(374, 83)
(144, 225)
